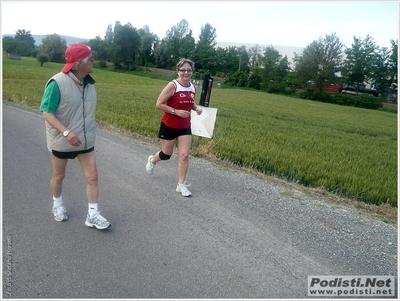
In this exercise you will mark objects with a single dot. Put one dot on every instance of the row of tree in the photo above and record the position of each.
(324, 61)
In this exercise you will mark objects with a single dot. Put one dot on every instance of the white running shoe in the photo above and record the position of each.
(183, 188)
(60, 213)
(96, 220)
(150, 166)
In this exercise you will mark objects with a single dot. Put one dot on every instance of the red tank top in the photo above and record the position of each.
(182, 99)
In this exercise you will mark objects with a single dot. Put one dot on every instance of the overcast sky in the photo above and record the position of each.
(284, 23)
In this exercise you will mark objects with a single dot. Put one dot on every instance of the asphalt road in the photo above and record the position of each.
(239, 236)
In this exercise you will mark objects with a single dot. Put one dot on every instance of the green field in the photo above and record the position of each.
(348, 151)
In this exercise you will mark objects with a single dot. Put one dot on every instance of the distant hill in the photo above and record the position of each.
(39, 38)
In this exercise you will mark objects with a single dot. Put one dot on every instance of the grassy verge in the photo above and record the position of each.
(350, 152)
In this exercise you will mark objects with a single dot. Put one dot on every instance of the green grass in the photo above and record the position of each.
(351, 152)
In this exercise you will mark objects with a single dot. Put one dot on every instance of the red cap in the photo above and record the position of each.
(74, 53)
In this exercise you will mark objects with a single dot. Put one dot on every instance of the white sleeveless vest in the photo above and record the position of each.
(76, 111)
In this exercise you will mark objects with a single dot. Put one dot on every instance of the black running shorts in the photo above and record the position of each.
(168, 133)
(71, 155)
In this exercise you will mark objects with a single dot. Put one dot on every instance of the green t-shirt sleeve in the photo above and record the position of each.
(51, 98)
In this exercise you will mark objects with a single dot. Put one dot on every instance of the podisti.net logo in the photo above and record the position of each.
(351, 286)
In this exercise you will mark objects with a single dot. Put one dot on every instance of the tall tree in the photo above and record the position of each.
(384, 75)
(125, 49)
(54, 46)
(98, 49)
(148, 42)
(221, 58)
(381, 80)
(319, 62)
(108, 41)
(25, 42)
(177, 44)
(187, 47)
(254, 54)
(231, 59)
(204, 55)
(358, 67)
(269, 61)
(22, 43)
(393, 66)
(271, 72)
(10, 45)
(243, 59)
(208, 35)
(162, 55)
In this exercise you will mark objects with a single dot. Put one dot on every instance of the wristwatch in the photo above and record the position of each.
(173, 112)
(65, 134)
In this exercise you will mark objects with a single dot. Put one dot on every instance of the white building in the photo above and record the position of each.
(288, 51)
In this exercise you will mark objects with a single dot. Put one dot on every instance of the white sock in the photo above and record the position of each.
(57, 201)
(93, 208)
